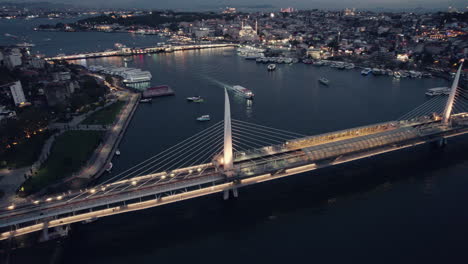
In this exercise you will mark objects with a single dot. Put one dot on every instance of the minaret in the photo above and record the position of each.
(256, 26)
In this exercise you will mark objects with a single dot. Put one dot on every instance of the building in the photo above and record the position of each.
(17, 93)
(61, 76)
(201, 32)
(13, 59)
(247, 33)
(36, 63)
(314, 53)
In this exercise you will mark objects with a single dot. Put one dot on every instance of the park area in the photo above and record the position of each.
(68, 155)
(105, 116)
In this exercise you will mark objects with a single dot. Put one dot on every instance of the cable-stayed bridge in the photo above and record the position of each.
(232, 154)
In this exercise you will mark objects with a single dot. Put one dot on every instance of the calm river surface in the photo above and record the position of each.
(403, 207)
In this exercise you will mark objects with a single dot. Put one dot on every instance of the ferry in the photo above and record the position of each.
(242, 91)
(271, 67)
(147, 100)
(438, 91)
(109, 167)
(324, 81)
(366, 71)
(204, 118)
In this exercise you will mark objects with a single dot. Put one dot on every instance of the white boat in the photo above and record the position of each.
(109, 167)
(288, 60)
(377, 71)
(194, 98)
(271, 67)
(349, 66)
(324, 81)
(397, 75)
(204, 118)
(25, 45)
(319, 63)
(389, 72)
(438, 91)
(147, 100)
(117, 153)
(415, 74)
(366, 71)
(241, 91)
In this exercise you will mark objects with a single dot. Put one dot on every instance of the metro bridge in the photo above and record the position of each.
(232, 154)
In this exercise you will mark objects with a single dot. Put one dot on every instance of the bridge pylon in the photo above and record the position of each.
(451, 98)
(228, 155)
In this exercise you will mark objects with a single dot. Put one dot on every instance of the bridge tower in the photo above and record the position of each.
(451, 98)
(228, 156)
(227, 152)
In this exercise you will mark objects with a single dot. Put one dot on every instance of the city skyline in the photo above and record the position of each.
(268, 4)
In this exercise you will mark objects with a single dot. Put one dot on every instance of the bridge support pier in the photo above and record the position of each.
(440, 143)
(235, 193)
(59, 231)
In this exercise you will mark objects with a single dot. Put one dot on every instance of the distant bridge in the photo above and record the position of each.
(137, 51)
(232, 154)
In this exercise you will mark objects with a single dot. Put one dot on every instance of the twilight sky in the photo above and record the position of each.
(213, 4)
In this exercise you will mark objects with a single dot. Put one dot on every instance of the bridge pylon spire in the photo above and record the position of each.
(227, 152)
(451, 98)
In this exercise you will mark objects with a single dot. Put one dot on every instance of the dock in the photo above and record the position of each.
(158, 91)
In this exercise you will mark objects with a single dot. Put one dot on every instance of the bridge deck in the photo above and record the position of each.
(273, 162)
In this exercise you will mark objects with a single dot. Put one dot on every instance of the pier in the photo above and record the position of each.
(137, 51)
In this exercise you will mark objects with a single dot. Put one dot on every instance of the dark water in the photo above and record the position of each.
(402, 207)
(53, 43)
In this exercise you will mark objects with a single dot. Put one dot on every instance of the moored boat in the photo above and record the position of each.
(117, 153)
(366, 71)
(271, 67)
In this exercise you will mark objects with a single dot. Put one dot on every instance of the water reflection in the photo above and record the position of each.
(249, 108)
